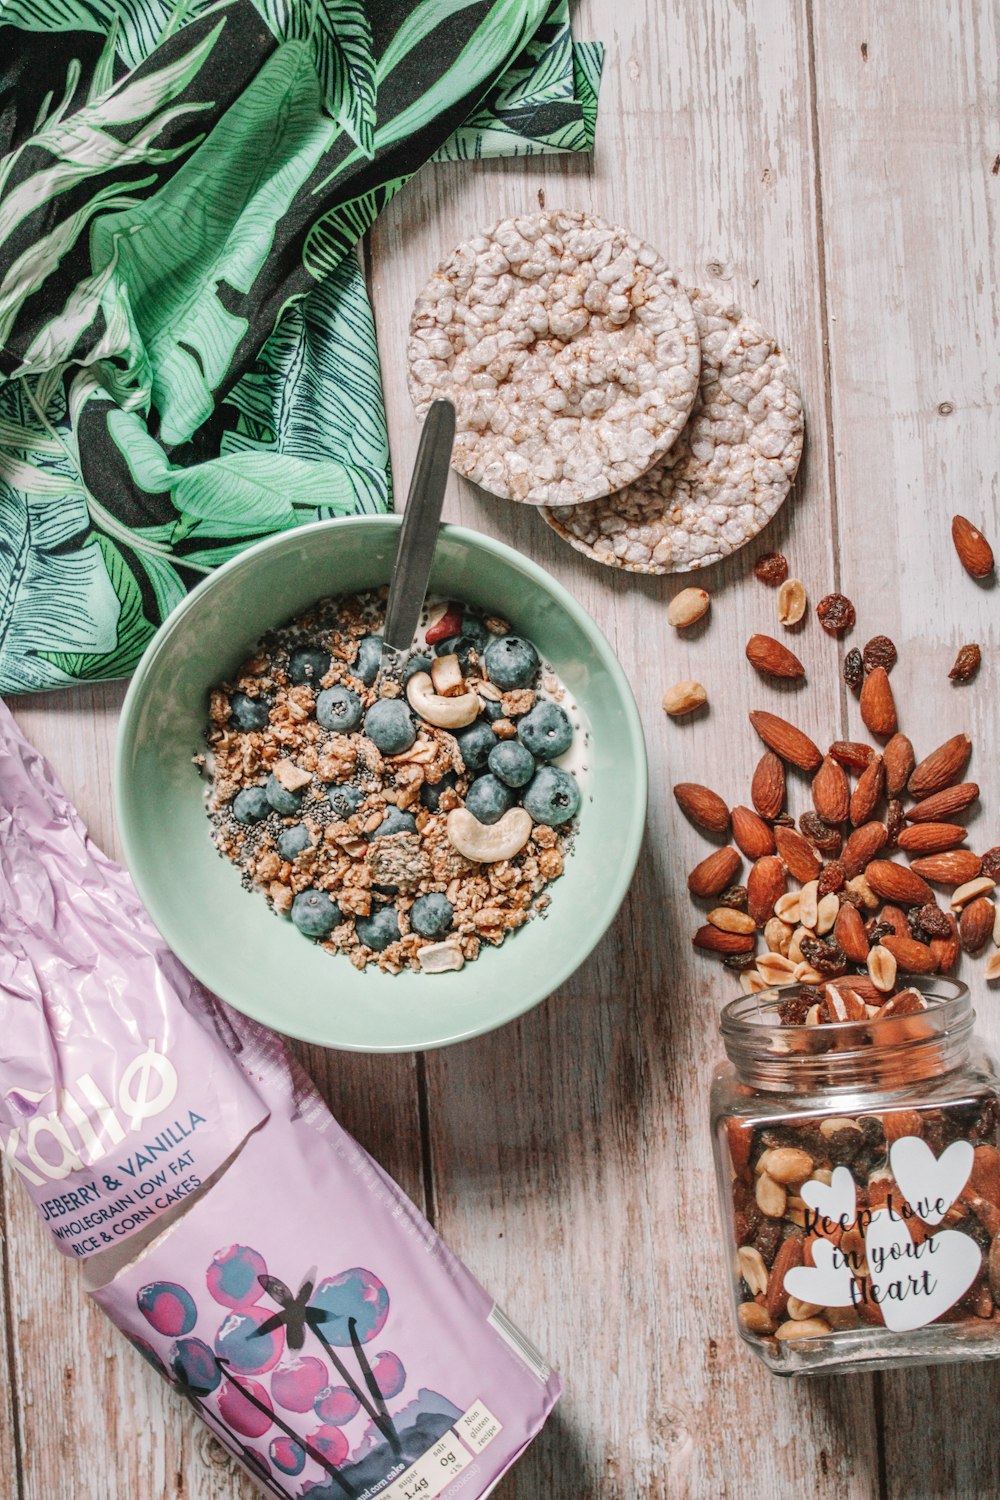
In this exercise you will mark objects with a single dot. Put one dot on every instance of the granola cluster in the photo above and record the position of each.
(343, 856)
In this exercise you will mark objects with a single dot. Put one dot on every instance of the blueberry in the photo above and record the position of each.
(461, 646)
(430, 796)
(395, 822)
(369, 658)
(345, 800)
(552, 796)
(281, 799)
(417, 663)
(432, 915)
(338, 708)
(488, 799)
(512, 762)
(511, 662)
(249, 713)
(292, 841)
(546, 730)
(492, 711)
(389, 726)
(308, 664)
(250, 805)
(475, 743)
(473, 627)
(378, 930)
(315, 913)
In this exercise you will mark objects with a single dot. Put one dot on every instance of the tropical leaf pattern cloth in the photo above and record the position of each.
(187, 352)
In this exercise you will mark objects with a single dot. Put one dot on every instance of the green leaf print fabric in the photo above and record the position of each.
(187, 352)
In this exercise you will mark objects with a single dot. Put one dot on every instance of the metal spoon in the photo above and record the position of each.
(411, 569)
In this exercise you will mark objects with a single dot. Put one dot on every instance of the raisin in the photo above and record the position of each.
(932, 920)
(854, 669)
(772, 568)
(832, 877)
(836, 613)
(843, 1146)
(735, 897)
(821, 835)
(852, 754)
(894, 820)
(966, 664)
(827, 958)
(879, 652)
(876, 931)
(739, 961)
(792, 1012)
(767, 1240)
(917, 930)
(991, 863)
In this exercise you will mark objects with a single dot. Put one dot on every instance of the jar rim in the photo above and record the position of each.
(744, 1017)
(837, 1054)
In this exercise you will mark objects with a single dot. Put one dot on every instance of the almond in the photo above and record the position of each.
(899, 1122)
(911, 957)
(954, 868)
(703, 806)
(786, 741)
(767, 791)
(831, 792)
(852, 754)
(974, 551)
(898, 884)
(769, 656)
(751, 833)
(895, 917)
(945, 950)
(985, 1176)
(899, 762)
(790, 1253)
(878, 706)
(714, 940)
(868, 792)
(849, 931)
(711, 877)
(766, 883)
(932, 838)
(975, 925)
(862, 846)
(862, 986)
(797, 853)
(941, 806)
(942, 767)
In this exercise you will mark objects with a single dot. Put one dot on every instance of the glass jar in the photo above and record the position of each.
(860, 1181)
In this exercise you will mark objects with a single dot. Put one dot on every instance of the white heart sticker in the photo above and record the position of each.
(838, 1202)
(828, 1283)
(914, 1284)
(930, 1184)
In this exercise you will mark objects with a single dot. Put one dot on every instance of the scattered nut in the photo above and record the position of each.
(683, 698)
(688, 607)
(792, 601)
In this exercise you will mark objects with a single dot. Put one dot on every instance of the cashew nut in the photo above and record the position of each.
(486, 842)
(444, 713)
(438, 958)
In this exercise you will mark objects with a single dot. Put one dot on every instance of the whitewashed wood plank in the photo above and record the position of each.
(571, 1152)
(906, 106)
(93, 1419)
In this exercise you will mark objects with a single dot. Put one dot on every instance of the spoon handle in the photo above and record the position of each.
(417, 537)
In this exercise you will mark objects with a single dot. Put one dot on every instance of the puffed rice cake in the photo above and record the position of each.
(569, 349)
(727, 474)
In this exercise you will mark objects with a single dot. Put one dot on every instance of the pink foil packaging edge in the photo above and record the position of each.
(301, 1303)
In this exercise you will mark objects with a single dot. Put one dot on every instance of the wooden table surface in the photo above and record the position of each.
(834, 168)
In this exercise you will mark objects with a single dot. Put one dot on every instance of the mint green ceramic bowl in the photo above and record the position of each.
(227, 936)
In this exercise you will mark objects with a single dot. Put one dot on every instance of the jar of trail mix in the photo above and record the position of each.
(859, 1175)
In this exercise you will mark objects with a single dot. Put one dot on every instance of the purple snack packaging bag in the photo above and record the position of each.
(252, 1252)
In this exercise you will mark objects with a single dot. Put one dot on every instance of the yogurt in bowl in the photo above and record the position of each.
(225, 934)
